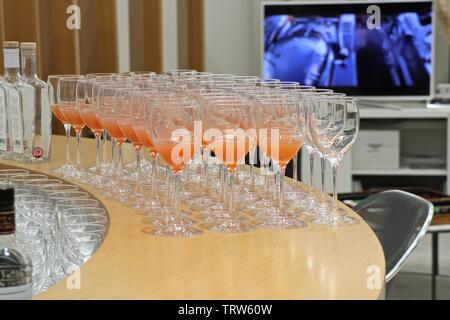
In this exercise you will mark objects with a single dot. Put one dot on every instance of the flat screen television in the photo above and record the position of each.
(370, 49)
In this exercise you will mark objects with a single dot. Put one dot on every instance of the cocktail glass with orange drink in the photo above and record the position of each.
(68, 105)
(229, 122)
(172, 124)
(52, 82)
(280, 129)
(86, 108)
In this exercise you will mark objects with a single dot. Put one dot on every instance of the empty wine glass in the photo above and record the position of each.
(334, 125)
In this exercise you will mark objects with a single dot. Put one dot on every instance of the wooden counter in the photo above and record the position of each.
(313, 263)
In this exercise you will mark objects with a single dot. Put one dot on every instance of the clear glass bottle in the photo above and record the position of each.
(19, 99)
(15, 264)
(5, 138)
(38, 115)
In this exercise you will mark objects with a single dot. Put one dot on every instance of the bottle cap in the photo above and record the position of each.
(11, 44)
(28, 45)
(6, 199)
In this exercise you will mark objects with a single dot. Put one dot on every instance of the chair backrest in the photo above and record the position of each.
(400, 220)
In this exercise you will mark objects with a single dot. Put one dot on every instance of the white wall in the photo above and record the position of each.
(123, 34)
(229, 39)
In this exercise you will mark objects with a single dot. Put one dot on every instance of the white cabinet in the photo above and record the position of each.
(423, 130)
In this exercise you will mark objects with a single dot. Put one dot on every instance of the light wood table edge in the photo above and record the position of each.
(104, 256)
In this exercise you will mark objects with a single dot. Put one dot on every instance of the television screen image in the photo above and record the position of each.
(342, 47)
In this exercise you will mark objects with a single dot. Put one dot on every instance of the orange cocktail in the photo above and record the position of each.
(111, 125)
(231, 150)
(73, 116)
(58, 114)
(284, 150)
(91, 120)
(176, 155)
(144, 138)
(128, 131)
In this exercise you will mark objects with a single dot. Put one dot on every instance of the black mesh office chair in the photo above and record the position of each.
(400, 220)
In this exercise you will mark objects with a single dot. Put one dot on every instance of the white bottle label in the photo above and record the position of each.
(12, 58)
(16, 121)
(3, 121)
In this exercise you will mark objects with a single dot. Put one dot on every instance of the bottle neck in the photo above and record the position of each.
(29, 64)
(12, 65)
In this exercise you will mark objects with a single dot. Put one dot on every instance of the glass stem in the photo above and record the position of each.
(223, 177)
(67, 127)
(231, 177)
(266, 174)
(114, 157)
(311, 171)
(335, 167)
(97, 152)
(295, 163)
(177, 208)
(120, 160)
(277, 184)
(323, 166)
(78, 135)
(138, 163)
(207, 154)
(253, 156)
(105, 139)
(168, 183)
(281, 174)
(154, 172)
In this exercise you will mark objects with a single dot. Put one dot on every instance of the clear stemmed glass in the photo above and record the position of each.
(107, 114)
(232, 124)
(86, 107)
(172, 128)
(308, 203)
(105, 166)
(124, 113)
(280, 129)
(214, 189)
(320, 204)
(334, 125)
(68, 104)
(52, 82)
(141, 123)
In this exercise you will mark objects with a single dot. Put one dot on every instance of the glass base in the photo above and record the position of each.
(282, 223)
(175, 230)
(223, 216)
(164, 221)
(65, 168)
(336, 220)
(235, 225)
(217, 209)
(200, 203)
